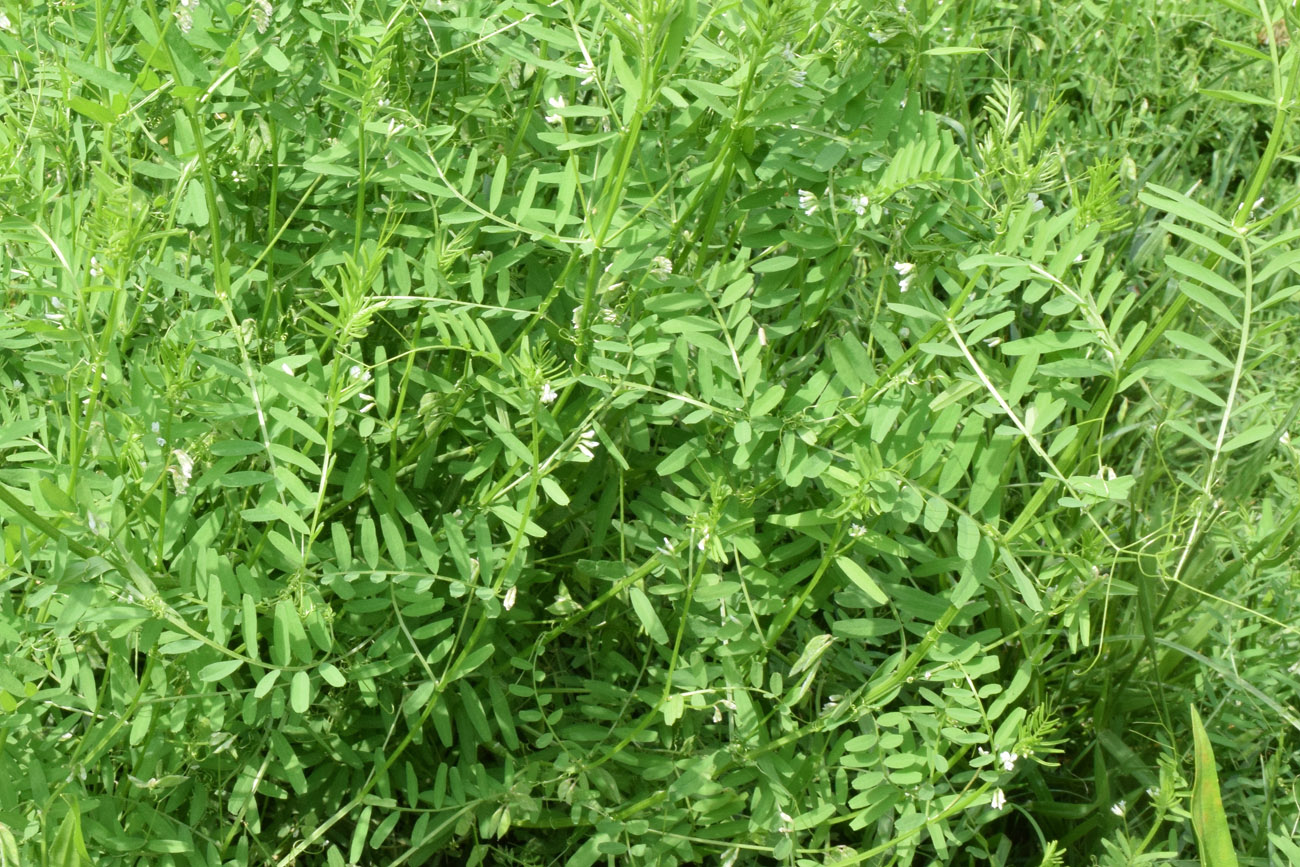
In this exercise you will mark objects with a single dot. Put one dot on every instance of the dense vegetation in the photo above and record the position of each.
(606, 432)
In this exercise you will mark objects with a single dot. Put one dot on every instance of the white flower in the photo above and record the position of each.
(999, 800)
(666, 548)
(1153, 792)
(95, 270)
(788, 54)
(161, 442)
(787, 823)
(548, 394)
(1036, 203)
(906, 272)
(587, 443)
(369, 402)
(661, 266)
(509, 601)
(1284, 439)
(878, 36)
(798, 76)
(704, 540)
(808, 202)
(859, 204)
(556, 103)
(262, 11)
(5, 23)
(287, 369)
(182, 471)
(154, 427)
(1118, 807)
(857, 531)
(588, 71)
(184, 18)
(1008, 760)
(762, 336)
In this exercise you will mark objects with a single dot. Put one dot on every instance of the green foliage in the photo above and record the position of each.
(658, 433)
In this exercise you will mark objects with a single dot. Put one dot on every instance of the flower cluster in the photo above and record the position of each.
(556, 103)
(185, 17)
(808, 203)
(587, 444)
(906, 272)
(262, 12)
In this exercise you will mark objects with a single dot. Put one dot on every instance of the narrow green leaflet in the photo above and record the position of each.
(1208, 820)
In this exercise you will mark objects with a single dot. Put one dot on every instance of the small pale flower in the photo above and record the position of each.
(154, 427)
(906, 273)
(807, 202)
(1153, 792)
(587, 443)
(859, 204)
(762, 336)
(287, 369)
(798, 77)
(262, 11)
(96, 270)
(1008, 760)
(667, 547)
(548, 394)
(5, 23)
(182, 471)
(787, 823)
(661, 266)
(1118, 807)
(704, 540)
(1285, 438)
(999, 800)
(509, 601)
(588, 72)
(184, 18)
(788, 54)
(1035, 203)
(857, 531)
(161, 442)
(717, 713)
(369, 402)
(557, 103)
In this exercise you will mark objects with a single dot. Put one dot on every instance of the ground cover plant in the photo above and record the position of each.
(798, 432)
